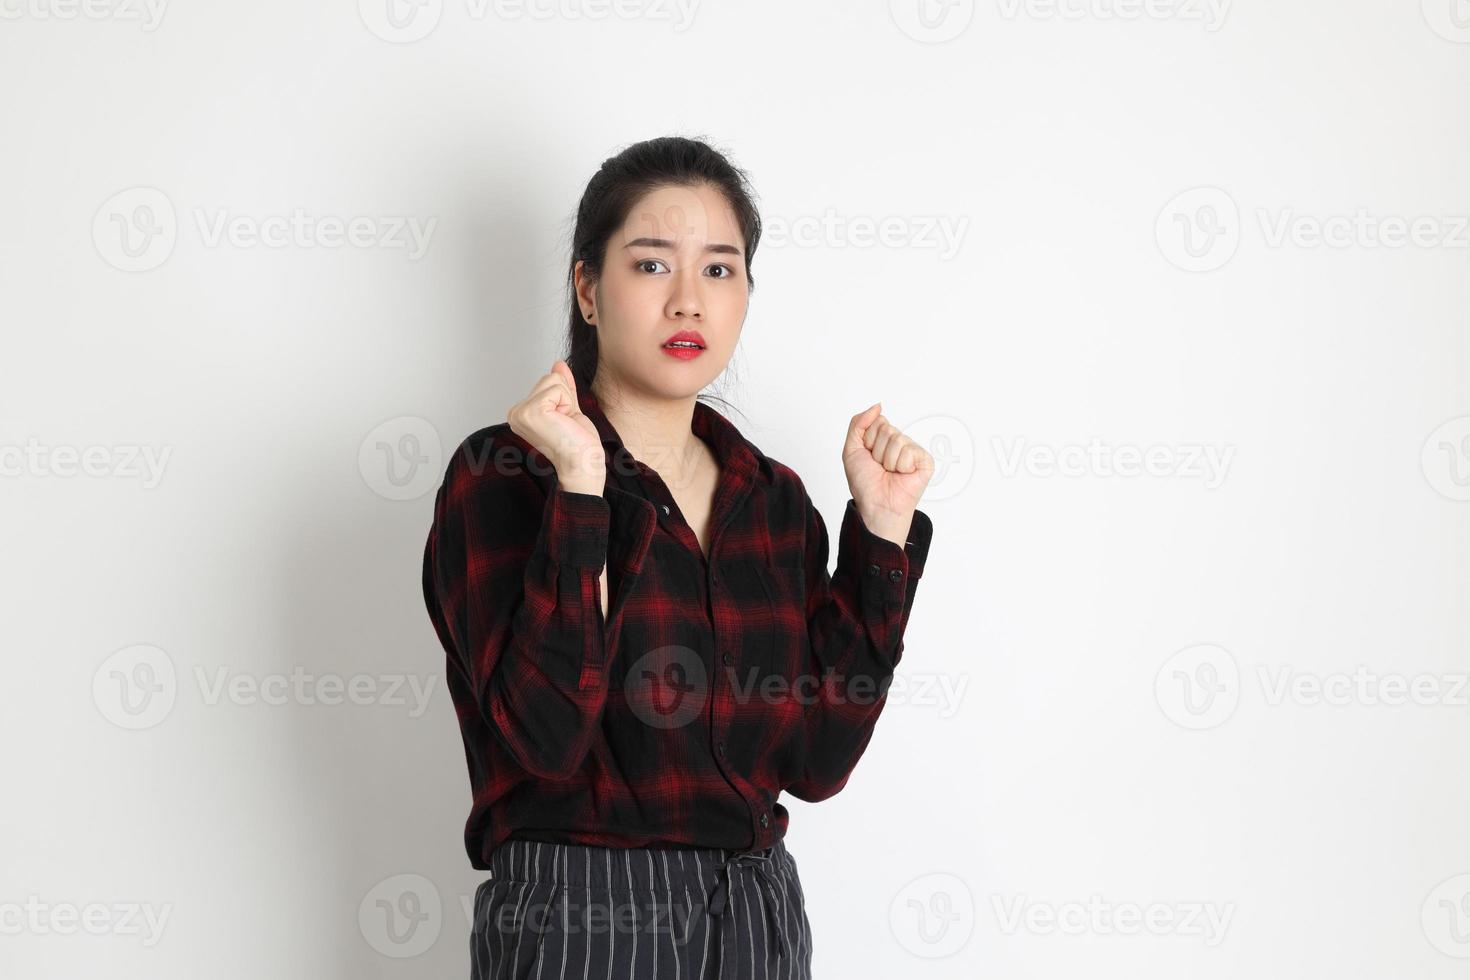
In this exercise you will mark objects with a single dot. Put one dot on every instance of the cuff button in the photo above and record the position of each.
(895, 575)
(872, 569)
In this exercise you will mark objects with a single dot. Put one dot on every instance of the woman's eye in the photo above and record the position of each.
(727, 270)
(644, 262)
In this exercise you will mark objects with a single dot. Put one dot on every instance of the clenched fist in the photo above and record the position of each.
(886, 472)
(550, 419)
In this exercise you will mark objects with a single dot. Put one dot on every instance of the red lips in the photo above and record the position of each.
(686, 336)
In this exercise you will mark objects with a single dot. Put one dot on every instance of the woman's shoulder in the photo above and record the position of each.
(783, 479)
(495, 457)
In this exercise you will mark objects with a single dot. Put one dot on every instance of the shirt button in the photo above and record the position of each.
(872, 569)
(729, 658)
(765, 819)
(666, 508)
(721, 749)
(895, 575)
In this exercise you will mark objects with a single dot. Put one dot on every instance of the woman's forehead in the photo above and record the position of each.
(683, 214)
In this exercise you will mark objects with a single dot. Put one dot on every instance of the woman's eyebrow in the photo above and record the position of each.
(665, 243)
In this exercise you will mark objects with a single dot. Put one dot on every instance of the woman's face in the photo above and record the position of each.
(677, 264)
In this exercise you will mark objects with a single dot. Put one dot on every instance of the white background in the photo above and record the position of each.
(1116, 736)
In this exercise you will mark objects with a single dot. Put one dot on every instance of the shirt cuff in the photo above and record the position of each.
(878, 563)
(574, 528)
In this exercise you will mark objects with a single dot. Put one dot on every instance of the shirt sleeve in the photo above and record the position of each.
(511, 579)
(855, 620)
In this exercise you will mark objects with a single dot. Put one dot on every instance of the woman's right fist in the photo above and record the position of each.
(550, 419)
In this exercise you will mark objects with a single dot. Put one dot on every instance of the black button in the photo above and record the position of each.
(872, 569)
(895, 575)
(729, 658)
(666, 508)
(765, 819)
(720, 749)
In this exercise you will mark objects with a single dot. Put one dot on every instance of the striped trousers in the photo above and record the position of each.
(579, 912)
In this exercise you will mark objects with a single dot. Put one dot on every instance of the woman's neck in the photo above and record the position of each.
(658, 432)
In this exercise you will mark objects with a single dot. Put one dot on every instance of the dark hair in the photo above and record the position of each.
(611, 193)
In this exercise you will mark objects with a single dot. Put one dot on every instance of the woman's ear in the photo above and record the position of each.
(586, 291)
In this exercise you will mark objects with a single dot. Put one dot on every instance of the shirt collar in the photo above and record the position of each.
(737, 456)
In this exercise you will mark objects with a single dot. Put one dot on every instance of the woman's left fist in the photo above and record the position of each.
(886, 472)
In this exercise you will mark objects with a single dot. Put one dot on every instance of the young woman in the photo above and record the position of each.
(645, 646)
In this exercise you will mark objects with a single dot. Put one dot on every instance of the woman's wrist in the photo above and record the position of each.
(583, 483)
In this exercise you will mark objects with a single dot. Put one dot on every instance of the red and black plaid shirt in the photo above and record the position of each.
(711, 686)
